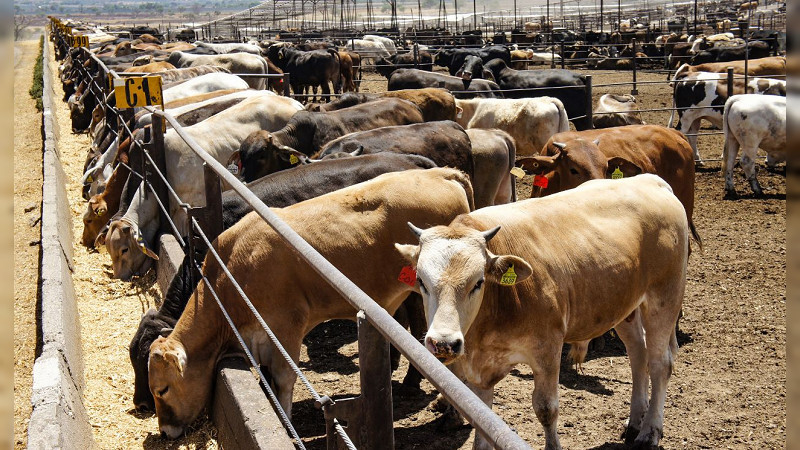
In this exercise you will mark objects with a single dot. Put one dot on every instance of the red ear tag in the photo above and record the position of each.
(540, 180)
(408, 276)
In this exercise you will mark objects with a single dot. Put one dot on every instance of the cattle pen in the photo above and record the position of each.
(324, 416)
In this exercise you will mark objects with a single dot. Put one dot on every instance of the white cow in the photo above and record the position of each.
(530, 121)
(234, 47)
(751, 122)
(238, 63)
(204, 84)
(220, 136)
(388, 43)
(367, 49)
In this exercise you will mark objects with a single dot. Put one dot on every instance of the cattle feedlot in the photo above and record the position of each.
(560, 271)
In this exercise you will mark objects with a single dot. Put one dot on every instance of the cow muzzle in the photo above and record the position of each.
(445, 350)
(171, 431)
(466, 76)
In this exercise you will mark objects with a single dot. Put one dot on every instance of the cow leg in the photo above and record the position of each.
(326, 92)
(750, 170)
(694, 128)
(545, 392)
(729, 154)
(418, 326)
(487, 397)
(632, 335)
(283, 377)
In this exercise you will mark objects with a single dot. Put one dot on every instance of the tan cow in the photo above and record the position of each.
(354, 228)
(510, 284)
(770, 67)
(153, 67)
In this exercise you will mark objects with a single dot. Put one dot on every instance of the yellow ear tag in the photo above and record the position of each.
(509, 278)
(617, 174)
(517, 172)
(90, 179)
(293, 159)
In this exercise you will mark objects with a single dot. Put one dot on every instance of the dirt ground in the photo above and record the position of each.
(727, 390)
(27, 213)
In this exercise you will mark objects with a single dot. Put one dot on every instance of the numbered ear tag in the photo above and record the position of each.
(617, 174)
(541, 181)
(234, 169)
(517, 172)
(509, 278)
(408, 276)
(293, 159)
(90, 179)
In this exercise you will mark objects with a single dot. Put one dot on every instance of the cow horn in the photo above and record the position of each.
(357, 151)
(165, 331)
(488, 235)
(414, 229)
(560, 145)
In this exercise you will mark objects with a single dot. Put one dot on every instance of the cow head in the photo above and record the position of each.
(261, 154)
(472, 67)
(576, 162)
(181, 386)
(150, 328)
(129, 253)
(94, 219)
(453, 265)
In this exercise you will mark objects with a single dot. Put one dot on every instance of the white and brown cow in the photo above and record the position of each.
(530, 121)
(702, 95)
(510, 284)
(751, 122)
(338, 224)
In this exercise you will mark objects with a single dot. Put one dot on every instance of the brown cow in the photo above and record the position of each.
(153, 67)
(356, 58)
(181, 367)
(770, 67)
(435, 103)
(102, 207)
(569, 159)
(346, 72)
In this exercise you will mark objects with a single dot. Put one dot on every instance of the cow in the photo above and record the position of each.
(572, 158)
(751, 122)
(386, 67)
(181, 366)
(534, 83)
(314, 68)
(493, 154)
(237, 63)
(203, 84)
(387, 43)
(367, 49)
(771, 67)
(453, 59)
(512, 283)
(277, 190)
(346, 72)
(220, 136)
(434, 103)
(530, 121)
(418, 79)
(710, 91)
(616, 111)
(267, 151)
(153, 67)
(233, 47)
(753, 49)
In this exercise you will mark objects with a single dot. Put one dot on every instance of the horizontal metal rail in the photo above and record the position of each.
(462, 398)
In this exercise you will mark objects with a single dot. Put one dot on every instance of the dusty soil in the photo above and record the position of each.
(727, 390)
(27, 213)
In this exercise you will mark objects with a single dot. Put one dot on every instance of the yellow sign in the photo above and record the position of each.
(617, 174)
(80, 41)
(509, 278)
(131, 92)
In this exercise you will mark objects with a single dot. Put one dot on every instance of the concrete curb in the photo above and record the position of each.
(243, 415)
(58, 419)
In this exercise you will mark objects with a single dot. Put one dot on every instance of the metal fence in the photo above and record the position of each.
(368, 418)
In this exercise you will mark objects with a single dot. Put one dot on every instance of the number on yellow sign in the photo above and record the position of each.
(138, 91)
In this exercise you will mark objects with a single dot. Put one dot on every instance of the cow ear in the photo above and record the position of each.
(100, 240)
(235, 159)
(292, 156)
(409, 252)
(487, 75)
(617, 166)
(538, 165)
(507, 270)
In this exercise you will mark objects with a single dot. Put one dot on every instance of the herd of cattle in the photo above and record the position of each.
(420, 177)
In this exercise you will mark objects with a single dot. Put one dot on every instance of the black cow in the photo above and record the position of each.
(347, 100)
(386, 67)
(276, 190)
(521, 84)
(444, 142)
(263, 153)
(775, 39)
(418, 79)
(313, 68)
(756, 49)
(453, 59)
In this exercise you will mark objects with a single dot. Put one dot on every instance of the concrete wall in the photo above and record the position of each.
(58, 419)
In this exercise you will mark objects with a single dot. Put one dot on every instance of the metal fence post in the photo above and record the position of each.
(634, 91)
(588, 118)
(156, 150)
(211, 221)
(553, 54)
(563, 59)
(730, 82)
(416, 55)
(286, 90)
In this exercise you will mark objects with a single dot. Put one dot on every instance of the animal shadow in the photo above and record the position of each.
(323, 344)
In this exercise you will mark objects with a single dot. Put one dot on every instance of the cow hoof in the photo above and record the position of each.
(730, 195)
(629, 435)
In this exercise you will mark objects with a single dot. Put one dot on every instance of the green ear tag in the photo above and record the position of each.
(509, 278)
(617, 174)
(293, 159)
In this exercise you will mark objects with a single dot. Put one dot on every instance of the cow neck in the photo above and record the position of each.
(201, 330)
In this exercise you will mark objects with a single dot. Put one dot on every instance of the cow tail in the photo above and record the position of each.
(674, 105)
(337, 86)
(463, 179)
(563, 120)
(695, 235)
